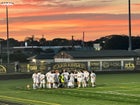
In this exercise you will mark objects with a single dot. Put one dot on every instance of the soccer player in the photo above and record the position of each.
(86, 77)
(83, 79)
(71, 80)
(66, 76)
(79, 78)
(56, 78)
(52, 79)
(48, 78)
(75, 78)
(93, 78)
(38, 79)
(35, 79)
(42, 80)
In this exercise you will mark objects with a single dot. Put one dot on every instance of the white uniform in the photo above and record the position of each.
(75, 79)
(71, 80)
(56, 79)
(42, 81)
(79, 78)
(86, 78)
(38, 79)
(35, 80)
(93, 79)
(52, 77)
(86, 74)
(66, 77)
(48, 78)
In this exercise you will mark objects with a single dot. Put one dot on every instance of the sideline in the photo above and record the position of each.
(27, 100)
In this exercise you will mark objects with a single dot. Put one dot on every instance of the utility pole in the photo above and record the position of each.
(32, 42)
(72, 42)
(129, 16)
(83, 44)
(6, 4)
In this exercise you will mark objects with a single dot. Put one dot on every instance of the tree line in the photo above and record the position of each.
(110, 42)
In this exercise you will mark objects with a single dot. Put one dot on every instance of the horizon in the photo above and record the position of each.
(107, 36)
(67, 18)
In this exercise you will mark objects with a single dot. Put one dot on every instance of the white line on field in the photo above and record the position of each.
(117, 93)
(28, 100)
(110, 92)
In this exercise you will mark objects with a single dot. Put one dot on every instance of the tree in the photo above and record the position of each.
(31, 41)
(60, 42)
(118, 42)
(42, 42)
(115, 42)
(136, 42)
(13, 42)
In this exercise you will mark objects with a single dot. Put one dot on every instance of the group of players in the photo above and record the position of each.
(63, 79)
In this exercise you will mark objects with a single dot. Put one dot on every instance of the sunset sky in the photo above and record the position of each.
(66, 18)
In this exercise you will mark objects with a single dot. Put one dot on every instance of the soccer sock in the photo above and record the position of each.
(49, 85)
(34, 86)
(44, 85)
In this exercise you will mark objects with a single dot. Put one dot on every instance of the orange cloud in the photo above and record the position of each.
(69, 17)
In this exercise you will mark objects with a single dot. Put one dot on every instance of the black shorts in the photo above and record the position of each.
(75, 80)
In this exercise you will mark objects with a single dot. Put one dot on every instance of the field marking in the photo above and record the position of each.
(117, 93)
(110, 92)
(28, 100)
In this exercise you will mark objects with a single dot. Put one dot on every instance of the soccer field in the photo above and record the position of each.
(111, 89)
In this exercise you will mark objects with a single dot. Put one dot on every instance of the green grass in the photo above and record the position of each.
(111, 89)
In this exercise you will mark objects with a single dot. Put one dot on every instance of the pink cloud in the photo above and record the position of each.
(58, 18)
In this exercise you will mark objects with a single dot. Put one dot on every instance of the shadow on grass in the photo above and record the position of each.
(2, 102)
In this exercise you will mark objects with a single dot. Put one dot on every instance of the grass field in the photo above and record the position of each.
(111, 89)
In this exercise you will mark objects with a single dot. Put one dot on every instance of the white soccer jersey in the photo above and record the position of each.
(66, 76)
(86, 75)
(35, 78)
(75, 75)
(48, 76)
(79, 76)
(71, 80)
(52, 77)
(42, 78)
(38, 77)
(93, 77)
(56, 77)
(71, 77)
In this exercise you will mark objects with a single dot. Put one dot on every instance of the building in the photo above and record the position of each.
(104, 60)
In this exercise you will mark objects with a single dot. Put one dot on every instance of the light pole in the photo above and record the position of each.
(129, 13)
(6, 4)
